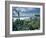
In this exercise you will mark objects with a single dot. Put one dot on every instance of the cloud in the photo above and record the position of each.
(24, 11)
(28, 10)
(14, 13)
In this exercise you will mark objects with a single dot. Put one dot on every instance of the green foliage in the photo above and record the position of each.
(31, 24)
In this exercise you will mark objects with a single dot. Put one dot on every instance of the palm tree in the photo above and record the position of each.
(18, 13)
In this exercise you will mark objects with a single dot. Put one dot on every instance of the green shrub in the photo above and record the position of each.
(31, 24)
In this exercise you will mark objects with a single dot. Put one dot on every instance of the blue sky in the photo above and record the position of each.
(25, 11)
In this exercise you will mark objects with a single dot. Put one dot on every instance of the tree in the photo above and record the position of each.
(18, 13)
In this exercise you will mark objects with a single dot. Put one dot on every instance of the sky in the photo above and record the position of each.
(25, 11)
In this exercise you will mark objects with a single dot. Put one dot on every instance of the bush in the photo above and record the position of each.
(31, 24)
